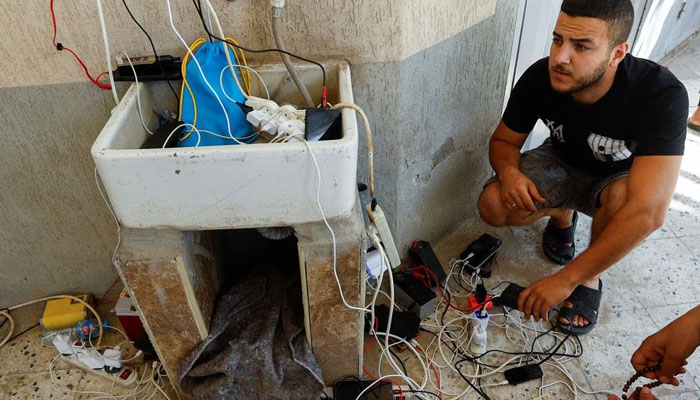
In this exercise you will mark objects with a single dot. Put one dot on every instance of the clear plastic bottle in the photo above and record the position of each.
(47, 336)
(77, 331)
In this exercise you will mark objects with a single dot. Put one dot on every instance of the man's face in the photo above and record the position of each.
(580, 53)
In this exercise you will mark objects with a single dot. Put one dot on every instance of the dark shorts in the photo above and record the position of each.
(560, 183)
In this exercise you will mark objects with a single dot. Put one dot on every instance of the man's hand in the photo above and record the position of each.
(518, 189)
(538, 298)
(645, 394)
(672, 346)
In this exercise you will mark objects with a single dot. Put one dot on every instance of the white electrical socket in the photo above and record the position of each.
(379, 220)
(401, 392)
(125, 377)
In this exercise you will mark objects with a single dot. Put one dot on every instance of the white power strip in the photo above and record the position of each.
(125, 377)
(379, 220)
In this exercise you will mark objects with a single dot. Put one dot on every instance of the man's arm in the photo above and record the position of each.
(504, 154)
(650, 187)
(504, 148)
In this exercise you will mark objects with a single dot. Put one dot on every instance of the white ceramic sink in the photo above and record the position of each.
(224, 187)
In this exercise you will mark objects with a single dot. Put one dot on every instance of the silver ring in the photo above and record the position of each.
(513, 205)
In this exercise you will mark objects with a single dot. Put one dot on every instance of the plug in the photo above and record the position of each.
(290, 127)
(376, 215)
(257, 117)
(261, 104)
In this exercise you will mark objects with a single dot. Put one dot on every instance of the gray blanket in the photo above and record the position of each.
(256, 347)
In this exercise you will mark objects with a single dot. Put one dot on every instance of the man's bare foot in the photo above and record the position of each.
(563, 219)
(579, 320)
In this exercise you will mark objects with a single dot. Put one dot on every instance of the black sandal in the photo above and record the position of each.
(586, 303)
(554, 242)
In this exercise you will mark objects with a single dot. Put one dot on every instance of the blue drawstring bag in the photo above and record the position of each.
(208, 114)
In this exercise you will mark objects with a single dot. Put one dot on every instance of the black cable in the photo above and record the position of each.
(323, 70)
(403, 366)
(155, 53)
(568, 334)
(532, 347)
(476, 389)
(437, 396)
(198, 6)
(475, 359)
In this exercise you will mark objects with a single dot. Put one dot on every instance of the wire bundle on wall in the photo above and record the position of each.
(60, 47)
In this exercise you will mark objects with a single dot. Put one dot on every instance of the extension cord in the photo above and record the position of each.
(260, 104)
(401, 392)
(376, 215)
(125, 377)
(284, 122)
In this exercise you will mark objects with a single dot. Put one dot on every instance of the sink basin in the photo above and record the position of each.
(233, 186)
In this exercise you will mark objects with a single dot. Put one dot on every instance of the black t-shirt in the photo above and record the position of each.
(644, 113)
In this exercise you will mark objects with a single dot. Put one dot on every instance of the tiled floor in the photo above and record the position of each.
(24, 366)
(650, 287)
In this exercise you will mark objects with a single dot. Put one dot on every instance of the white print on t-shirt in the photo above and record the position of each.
(557, 132)
(607, 149)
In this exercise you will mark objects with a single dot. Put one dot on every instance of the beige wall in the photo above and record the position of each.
(361, 31)
(57, 235)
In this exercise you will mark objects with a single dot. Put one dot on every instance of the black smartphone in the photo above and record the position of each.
(481, 250)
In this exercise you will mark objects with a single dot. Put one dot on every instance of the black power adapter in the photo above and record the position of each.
(523, 374)
(149, 69)
(509, 297)
(413, 295)
(348, 389)
(405, 325)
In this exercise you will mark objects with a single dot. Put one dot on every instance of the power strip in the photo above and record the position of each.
(125, 377)
(401, 392)
(376, 215)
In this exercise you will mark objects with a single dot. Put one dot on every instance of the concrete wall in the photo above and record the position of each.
(431, 76)
(433, 113)
(666, 25)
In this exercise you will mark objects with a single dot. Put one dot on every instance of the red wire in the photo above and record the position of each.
(369, 346)
(61, 47)
(97, 78)
(432, 274)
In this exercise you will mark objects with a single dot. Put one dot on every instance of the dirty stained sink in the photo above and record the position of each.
(225, 187)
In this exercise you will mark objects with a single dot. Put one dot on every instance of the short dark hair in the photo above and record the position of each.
(618, 14)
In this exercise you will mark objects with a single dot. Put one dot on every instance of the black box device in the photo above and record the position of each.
(509, 297)
(523, 374)
(423, 254)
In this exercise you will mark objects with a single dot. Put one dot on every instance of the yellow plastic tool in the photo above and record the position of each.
(64, 313)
